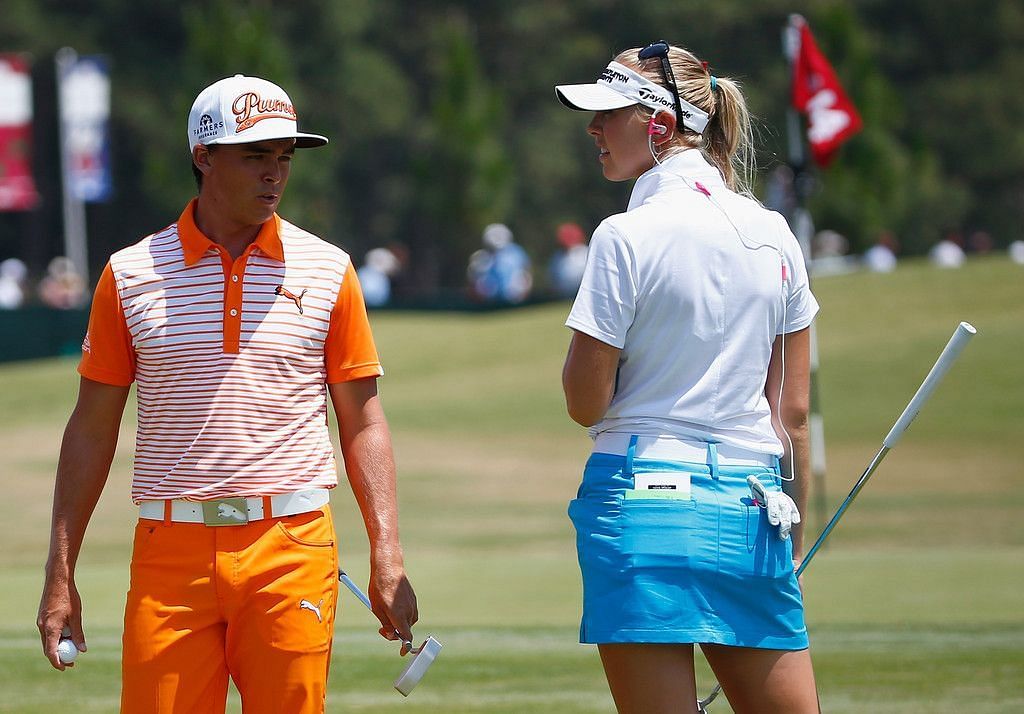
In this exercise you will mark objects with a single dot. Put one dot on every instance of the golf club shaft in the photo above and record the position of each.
(963, 333)
(842, 509)
(343, 577)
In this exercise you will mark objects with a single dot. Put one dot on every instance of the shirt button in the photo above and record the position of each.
(233, 312)
(234, 278)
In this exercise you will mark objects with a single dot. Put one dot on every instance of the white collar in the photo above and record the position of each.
(681, 170)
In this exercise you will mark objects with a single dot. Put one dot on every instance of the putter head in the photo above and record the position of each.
(421, 661)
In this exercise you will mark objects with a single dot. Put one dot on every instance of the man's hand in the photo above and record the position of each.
(60, 614)
(394, 602)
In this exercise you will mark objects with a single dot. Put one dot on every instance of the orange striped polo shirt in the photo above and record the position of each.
(231, 359)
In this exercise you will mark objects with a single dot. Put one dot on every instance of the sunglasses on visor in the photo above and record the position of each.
(660, 50)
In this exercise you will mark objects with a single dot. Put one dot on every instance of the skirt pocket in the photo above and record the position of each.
(598, 535)
(660, 532)
(751, 547)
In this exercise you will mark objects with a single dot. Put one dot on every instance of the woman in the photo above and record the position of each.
(689, 362)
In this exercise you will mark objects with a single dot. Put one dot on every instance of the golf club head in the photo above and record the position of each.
(421, 661)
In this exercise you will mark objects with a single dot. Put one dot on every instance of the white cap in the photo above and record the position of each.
(243, 110)
(497, 236)
(619, 86)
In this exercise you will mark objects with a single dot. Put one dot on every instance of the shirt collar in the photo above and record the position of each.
(195, 244)
(677, 172)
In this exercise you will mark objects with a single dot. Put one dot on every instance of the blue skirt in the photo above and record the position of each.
(704, 569)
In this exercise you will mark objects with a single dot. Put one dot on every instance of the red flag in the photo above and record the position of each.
(17, 189)
(831, 116)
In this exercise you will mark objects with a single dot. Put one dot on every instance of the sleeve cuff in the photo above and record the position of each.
(348, 374)
(798, 325)
(591, 331)
(105, 376)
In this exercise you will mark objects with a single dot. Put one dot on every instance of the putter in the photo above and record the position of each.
(963, 333)
(423, 656)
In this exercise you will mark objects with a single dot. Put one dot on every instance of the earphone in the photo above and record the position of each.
(654, 128)
(748, 244)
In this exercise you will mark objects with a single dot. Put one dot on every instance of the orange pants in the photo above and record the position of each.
(254, 601)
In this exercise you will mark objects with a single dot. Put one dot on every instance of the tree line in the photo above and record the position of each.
(442, 118)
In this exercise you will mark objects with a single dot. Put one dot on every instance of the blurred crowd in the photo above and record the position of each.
(829, 252)
(502, 272)
(61, 287)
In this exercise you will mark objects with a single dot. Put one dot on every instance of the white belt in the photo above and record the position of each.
(672, 448)
(236, 511)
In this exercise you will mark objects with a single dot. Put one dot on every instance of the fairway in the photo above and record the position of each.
(914, 606)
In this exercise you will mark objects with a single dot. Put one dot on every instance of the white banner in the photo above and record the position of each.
(84, 88)
(17, 188)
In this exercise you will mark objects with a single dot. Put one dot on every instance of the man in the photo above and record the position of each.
(235, 326)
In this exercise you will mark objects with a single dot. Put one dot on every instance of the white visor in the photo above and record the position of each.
(618, 87)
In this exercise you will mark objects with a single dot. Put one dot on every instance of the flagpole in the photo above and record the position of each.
(75, 239)
(803, 227)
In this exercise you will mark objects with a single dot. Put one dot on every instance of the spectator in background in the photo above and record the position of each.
(948, 253)
(62, 288)
(375, 276)
(1016, 252)
(830, 244)
(479, 266)
(881, 257)
(569, 261)
(12, 283)
(829, 253)
(401, 279)
(980, 242)
(779, 192)
(501, 270)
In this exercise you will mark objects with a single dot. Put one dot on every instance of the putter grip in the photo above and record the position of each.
(964, 332)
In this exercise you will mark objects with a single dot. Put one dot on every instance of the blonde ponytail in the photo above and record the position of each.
(728, 139)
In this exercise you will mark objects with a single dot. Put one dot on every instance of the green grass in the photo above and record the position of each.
(913, 607)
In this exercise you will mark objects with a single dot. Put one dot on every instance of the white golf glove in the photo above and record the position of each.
(782, 511)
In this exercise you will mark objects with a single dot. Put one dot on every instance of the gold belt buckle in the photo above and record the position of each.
(226, 512)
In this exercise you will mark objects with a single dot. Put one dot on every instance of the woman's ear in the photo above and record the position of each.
(662, 124)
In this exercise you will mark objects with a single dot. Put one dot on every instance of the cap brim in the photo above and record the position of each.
(302, 141)
(309, 141)
(591, 97)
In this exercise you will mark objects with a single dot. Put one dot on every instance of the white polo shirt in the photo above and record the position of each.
(693, 306)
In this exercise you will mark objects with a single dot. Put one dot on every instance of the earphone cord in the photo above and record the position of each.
(785, 303)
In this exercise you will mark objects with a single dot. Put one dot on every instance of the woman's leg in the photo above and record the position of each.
(650, 679)
(764, 681)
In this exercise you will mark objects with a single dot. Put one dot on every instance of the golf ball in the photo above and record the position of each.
(66, 651)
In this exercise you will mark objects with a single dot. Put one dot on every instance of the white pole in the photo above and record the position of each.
(803, 228)
(75, 239)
